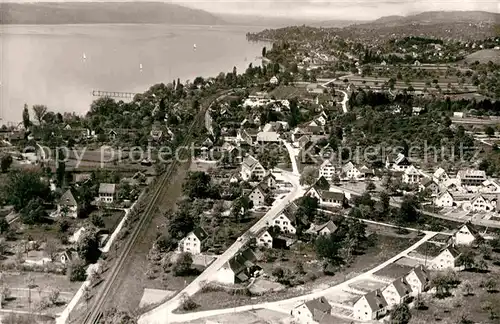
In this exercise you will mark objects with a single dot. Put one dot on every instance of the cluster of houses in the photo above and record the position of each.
(370, 306)
(67, 206)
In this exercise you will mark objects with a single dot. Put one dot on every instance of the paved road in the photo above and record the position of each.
(285, 306)
(293, 152)
(344, 101)
(163, 313)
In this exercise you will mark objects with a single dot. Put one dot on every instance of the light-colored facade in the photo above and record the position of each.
(463, 236)
(418, 279)
(251, 167)
(445, 199)
(411, 175)
(107, 192)
(446, 259)
(471, 177)
(370, 307)
(284, 223)
(327, 170)
(397, 292)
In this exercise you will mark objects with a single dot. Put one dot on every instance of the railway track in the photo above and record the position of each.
(96, 314)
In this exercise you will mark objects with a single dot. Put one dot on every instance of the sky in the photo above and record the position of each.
(324, 9)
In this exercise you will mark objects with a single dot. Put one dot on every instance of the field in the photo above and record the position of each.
(484, 56)
(43, 285)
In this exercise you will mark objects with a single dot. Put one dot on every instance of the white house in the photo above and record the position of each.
(350, 171)
(370, 307)
(418, 279)
(327, 170)
(331, 198)
(274, 80)
(257, 196)
(465, 235)
(264, 239)
(444, 199)
(107, 192)
(440, 175)
(400, 163)
(67, 256)
(193, 242)
(322, 229)
(311, 311)
(430, 185)
(481, 204)
(238, 269)
(397, 292)
(251, 167)
(471, 177)
(411, 175)
(67, 205)
(284, 222)
(446, 259)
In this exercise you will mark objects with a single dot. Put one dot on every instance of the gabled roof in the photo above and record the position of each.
(242, 260)
(366, 170)
(67, 199)
(427, 182)
(317, 228)
(200, 233)
(446, 192)
(250, 162)
(320, 304)
(402, 287)
(375, 300)
(107, 188)
(327, 163)
(439, 173)
(421, 274)
(335, 195)
(401, 159)
(454, 252)
(411, 170)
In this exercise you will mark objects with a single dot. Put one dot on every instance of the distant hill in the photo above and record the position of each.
(438, 17)
(103, 12)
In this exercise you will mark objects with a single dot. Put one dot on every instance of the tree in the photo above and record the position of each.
(490, 131)
(34, 212)
(408, 212)
(264, 50)
(30, 283)
(4, 225)
(467, 289)
(491, 285)
(40, 111)
(51, 249)
(309, 176)
(197, 185)
(466, 259)
(401, 314)
(25, 186)
(5, 163)
(442, 285)
(26, 117)
(370, 186)
(54, 296)
(97, 221)
(88, 245)
(76, 271)
(328, 247)
(182, 265)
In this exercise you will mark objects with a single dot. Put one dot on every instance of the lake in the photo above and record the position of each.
(60, 65)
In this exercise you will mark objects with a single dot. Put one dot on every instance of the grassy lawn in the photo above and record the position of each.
(475, 307)
(384, 248)
(112, 218)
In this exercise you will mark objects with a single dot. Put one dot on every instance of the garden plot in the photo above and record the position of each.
(367, 285)
(342, 297)
(393, 271)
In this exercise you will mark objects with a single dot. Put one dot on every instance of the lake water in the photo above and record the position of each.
(60, 65)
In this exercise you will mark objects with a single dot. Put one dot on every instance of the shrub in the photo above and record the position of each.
(77, 272)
